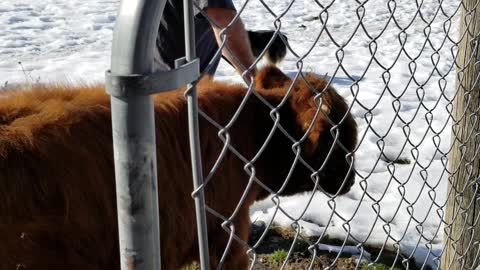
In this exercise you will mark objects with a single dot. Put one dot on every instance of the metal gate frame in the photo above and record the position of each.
(131, 81)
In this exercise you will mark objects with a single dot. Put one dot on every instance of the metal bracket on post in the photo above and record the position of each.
(157, 82)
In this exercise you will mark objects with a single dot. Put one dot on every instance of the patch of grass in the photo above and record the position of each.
(378, 266)
(278, 256)
(192, 266)
(274, 248)
(402, 161)
(301, 246)
(28, 75)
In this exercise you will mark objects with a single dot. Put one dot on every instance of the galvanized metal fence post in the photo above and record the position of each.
(191, 95)
(134, 137)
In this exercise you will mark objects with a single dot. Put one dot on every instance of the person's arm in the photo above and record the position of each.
(236, 38)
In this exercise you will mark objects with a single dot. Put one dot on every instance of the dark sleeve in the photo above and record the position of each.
(228, 4)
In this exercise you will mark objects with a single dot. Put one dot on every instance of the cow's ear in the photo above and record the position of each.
(271, 77)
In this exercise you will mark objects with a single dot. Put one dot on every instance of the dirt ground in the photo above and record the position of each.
(273, 250)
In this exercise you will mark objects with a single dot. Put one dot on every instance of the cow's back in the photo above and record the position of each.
(56, 179)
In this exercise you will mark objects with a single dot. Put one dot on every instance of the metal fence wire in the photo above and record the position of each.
(408, 71)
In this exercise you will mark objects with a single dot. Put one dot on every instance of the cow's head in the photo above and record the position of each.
(317, 117)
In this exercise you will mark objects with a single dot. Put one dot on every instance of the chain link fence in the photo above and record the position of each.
(408, 71)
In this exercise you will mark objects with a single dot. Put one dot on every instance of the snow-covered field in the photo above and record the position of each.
(399, 99)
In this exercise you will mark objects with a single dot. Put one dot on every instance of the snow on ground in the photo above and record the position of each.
(400, 104)
(400, 110)
(55, 40)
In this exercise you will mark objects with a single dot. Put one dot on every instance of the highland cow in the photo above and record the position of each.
(57, 189)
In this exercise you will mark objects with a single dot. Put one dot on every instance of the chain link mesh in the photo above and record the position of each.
(397, 64)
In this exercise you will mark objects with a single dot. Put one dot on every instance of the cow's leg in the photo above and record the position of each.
(236, 257)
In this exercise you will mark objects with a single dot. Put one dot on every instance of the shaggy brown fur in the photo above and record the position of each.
(57, 191)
